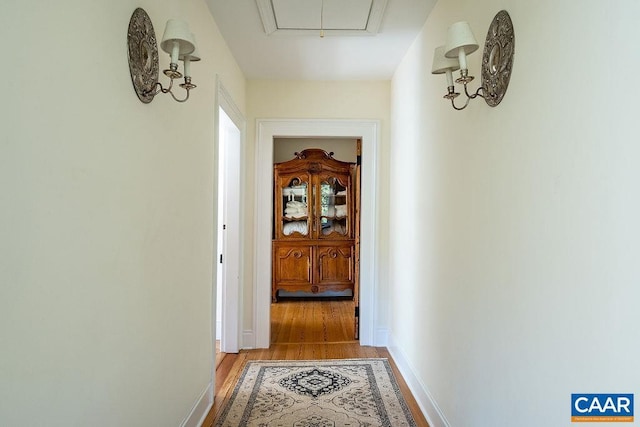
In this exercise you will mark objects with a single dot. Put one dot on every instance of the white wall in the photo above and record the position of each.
(521, 284)
(107, 219)
(343, 149)
(318, 100)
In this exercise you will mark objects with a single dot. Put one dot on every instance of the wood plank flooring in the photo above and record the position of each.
(305, 330)
(308, 321)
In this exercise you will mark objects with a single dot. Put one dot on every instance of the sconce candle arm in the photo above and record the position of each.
(159, 88)
(452, 95)
(480, 89)
(453, 104)
(180, 100)
(187, 85)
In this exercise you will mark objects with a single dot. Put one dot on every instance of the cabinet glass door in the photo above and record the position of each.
(333, 207)
(295, 208)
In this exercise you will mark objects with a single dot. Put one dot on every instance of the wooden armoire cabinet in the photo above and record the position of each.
(314, 224)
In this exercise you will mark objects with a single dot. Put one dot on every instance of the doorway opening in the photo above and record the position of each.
(228, 244)
(323, 283)
(228, 234)
(373, 330)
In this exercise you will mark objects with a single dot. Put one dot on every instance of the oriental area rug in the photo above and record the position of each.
(316, 393)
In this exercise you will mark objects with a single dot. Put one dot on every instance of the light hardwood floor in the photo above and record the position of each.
(305, 330)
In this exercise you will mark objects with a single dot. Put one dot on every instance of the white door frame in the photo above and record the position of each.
(369, 131)
(232, 297)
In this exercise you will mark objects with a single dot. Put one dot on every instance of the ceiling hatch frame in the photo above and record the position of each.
(268, 17)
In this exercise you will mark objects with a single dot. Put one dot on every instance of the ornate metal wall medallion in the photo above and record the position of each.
(143, 55)
(497, 59)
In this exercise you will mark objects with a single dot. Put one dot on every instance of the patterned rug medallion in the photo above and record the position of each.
(317, 393)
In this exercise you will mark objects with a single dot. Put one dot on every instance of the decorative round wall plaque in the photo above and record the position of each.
(143, 55)
(497, 59)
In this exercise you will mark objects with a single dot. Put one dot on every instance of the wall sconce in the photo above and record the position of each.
(177, 41)
(497, 60)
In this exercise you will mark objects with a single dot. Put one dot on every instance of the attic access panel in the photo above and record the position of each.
(339, 17)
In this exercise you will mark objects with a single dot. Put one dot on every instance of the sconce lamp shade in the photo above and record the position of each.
(177, 39)
(442, 64)
(460, 37)
(193, 56)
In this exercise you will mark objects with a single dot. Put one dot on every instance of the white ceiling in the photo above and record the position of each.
(321, 17)
(363, 39)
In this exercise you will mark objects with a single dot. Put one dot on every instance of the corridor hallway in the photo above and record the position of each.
(305, 330)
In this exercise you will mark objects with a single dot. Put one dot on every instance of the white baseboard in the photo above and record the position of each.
(201, 409)
(420, 392)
